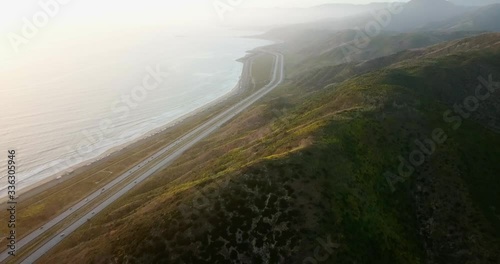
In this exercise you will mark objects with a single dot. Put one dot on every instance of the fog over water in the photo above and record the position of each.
(60, 97)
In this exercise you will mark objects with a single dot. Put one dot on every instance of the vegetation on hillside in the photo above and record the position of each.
(315, 173)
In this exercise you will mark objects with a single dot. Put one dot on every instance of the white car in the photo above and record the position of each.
(62, 234)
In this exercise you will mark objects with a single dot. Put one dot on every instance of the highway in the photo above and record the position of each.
(157, 162)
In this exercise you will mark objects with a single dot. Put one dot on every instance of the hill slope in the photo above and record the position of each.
(485, 19)
(319, 77)
(417, 13)
(341, 47)
(314, 174)
(255, 17)
(403, 17)
(475, 3)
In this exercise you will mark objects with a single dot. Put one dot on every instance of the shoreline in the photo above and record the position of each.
(75, 170)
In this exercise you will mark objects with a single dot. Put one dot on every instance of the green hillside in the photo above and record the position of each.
(306, 50)
(486, 18)
(311, 77)
(316, 163)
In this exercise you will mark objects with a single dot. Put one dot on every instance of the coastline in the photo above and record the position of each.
(74, 171)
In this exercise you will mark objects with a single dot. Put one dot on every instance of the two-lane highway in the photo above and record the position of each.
(158, 161)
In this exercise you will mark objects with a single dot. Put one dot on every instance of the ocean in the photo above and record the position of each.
(71, 100)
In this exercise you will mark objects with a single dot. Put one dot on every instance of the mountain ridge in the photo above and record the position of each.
(486, 18)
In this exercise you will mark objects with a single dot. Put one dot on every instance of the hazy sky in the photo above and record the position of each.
(101, 14)
(305, 3)
(12, 12)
